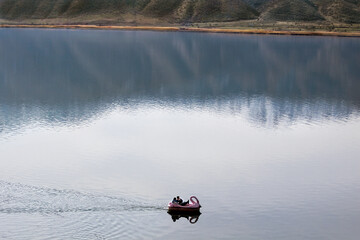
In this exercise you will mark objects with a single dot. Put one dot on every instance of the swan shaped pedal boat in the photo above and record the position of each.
(193, 206)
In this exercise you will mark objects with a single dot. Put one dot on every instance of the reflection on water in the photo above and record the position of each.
(191, 217)
(68, 77)
(263, 129)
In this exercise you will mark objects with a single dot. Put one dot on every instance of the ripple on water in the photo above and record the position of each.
(48, 213)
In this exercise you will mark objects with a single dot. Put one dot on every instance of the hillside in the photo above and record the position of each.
(169, 10)
(216, 10)
(340, 10)
(154, 12)
(290, 10)
(257, 4)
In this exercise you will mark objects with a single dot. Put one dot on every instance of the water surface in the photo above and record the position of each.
(100, 129)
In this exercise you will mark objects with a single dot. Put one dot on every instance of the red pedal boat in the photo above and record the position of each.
(193, 206)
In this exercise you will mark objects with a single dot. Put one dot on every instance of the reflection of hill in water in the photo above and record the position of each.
(72, 75)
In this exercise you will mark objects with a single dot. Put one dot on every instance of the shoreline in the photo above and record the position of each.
(185, 29)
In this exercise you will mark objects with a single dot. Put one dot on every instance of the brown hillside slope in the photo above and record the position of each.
(257, 4)
(223, 10)
(163, 12)
(215, 10)
(347, 11)
(161, 8)
(172, 10)
(290, 10)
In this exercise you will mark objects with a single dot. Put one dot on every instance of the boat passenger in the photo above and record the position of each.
(179, 201)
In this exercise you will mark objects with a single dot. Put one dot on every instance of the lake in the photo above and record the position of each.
(99, 130)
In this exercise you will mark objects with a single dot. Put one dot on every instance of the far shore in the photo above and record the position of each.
(186, 29)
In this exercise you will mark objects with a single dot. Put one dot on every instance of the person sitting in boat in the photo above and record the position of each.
(179, 201)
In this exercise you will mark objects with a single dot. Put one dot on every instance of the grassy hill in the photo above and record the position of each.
(172, 10)
(290, 10)
(215, 10)
(179, 11)
(340, 10)
(257, 4)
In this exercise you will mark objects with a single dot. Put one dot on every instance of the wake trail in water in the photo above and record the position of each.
(20, 198)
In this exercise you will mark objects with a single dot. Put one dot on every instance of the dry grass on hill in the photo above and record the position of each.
(274, 15)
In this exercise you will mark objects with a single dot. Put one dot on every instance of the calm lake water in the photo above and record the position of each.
(99, 130)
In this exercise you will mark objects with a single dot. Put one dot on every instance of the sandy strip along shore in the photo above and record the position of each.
(187, 29)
